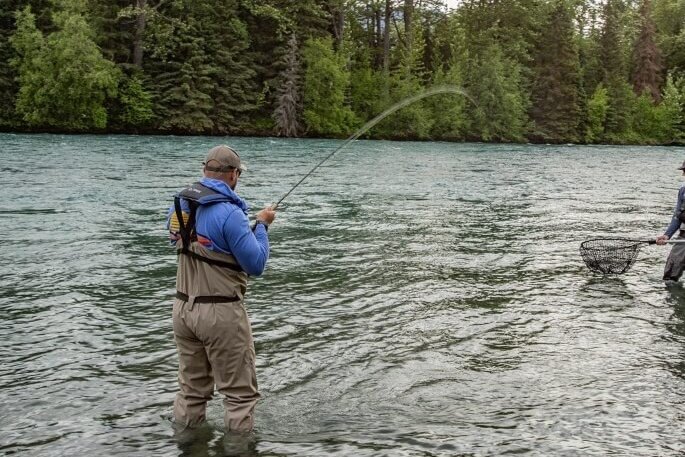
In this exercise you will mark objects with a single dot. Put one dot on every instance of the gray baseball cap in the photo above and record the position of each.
(223, 158)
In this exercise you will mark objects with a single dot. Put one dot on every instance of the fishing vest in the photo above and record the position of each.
(203, 275)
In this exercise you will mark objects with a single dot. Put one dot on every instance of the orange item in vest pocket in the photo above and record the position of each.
(204, 241)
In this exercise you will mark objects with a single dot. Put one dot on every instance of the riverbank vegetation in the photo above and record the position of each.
(578, 71)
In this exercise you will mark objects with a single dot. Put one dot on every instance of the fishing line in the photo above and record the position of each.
(376, 120)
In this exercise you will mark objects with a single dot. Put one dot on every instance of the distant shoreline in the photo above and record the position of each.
(267, 135)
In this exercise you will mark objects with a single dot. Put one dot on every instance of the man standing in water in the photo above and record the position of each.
(675, 264)
(217, 251)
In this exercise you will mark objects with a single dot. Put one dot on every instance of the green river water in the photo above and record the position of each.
(421, 299)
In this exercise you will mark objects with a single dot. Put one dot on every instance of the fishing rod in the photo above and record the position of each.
(376, 120)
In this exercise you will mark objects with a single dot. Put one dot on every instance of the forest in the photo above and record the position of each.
(542, 71)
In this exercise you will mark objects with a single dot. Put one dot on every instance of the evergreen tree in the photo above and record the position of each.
(366, 93)
(204, 82)
(647, 61)
(410, 122)
(598, 106)
(610, 51)
(668, 16)
(496, 85)
(646, 126)
(185, 103)
(325, 81)
(622, 102)
(589, 32)
(288, 105)
(135, 103)
(113, 30)
(231, 72)
(555, 105)
(670, 113)
(270, 24)
(63, 78)
(612, 60)
(511, 25)
(8, 75)
(447, 112)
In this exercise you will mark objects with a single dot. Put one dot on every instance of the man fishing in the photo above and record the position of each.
(217, 249)
(675, 264)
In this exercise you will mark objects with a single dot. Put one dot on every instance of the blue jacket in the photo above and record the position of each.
(675, 222)
(226, 227)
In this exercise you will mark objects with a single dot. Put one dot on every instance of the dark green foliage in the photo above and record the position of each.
(288, 103)
(668, 16)
(622, 101)
(448, 112)
(135, 102)
(555, 107)
(539, 70)
(647, 62)
(409, 122)
(204, 81)
(610, 43)
(670, 113)
(596, 114)
(8, 74)
(496, 85)
(64, 79)
(326, 82)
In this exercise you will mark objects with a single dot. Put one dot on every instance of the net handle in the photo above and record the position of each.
(667, 241)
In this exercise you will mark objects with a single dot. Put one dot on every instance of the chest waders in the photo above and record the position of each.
(204, 276)
(214, 341)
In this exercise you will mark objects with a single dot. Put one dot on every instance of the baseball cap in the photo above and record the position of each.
(223, 158)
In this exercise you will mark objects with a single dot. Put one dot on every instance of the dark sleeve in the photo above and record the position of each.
(675, 222)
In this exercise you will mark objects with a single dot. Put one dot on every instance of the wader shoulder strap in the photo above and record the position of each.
(188, 234)
(186, 231)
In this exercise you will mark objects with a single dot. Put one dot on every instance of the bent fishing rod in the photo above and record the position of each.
(374, 121)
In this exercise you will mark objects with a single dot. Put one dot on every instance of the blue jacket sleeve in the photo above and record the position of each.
(675, 223)
(250, 249)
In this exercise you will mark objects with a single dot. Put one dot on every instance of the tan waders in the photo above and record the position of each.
(214, 341)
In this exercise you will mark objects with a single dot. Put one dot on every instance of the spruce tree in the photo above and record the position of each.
(184, 87)
(670, 113)
(556, 79)
(597, 106)
(232, 74)
(495, 83)
(647, 60)
(615, 76)
(668, 16)
(288, 100)
(447, 112)
(8, 74)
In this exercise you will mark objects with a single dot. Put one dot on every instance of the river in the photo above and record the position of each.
(421, 299)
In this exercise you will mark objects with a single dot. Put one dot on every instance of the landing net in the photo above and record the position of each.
(610, 255)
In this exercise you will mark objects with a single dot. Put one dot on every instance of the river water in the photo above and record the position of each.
(420, 299)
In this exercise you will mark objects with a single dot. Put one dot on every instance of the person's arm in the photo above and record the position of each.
(250, 249)
(675, 222)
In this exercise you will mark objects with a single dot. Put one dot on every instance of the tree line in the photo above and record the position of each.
(578, 71)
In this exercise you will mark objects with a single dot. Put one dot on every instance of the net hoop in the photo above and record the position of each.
(610, 255)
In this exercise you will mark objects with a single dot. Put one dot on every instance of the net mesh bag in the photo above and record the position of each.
(610, 255)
